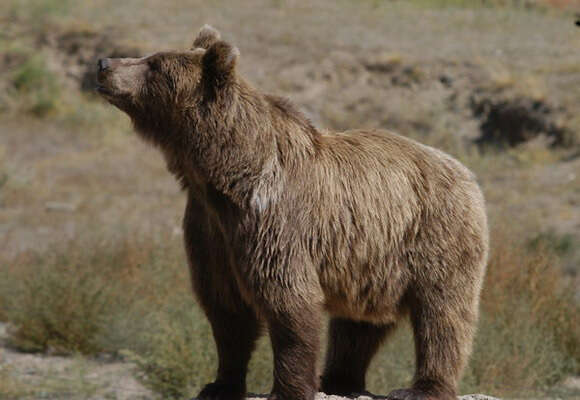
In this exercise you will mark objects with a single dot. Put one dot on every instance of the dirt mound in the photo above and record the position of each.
(398, 73)
(450, 99)
(511, 122)
(386, 90)
(344, 90)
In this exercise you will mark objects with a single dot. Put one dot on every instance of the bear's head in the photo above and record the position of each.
(155, 90)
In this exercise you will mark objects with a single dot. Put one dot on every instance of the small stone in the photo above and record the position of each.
(58, 206)
(323, 396)
(476, 397)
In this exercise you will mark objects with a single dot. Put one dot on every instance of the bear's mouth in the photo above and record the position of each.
(103, 90)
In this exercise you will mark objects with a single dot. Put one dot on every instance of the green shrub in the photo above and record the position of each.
(36, 86)
(394, 365)
(529, 335)
(3, 180)
(560, 244)
(176, 355)
(67, 299)
(57, 300)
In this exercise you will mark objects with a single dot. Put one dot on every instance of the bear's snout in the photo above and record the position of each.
(103, 64)
(104, 70)
(119, 79)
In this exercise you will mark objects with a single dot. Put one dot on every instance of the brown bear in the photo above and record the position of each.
(285, 221)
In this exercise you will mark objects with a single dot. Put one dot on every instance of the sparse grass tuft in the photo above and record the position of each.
(31, 75)
(3, 181)
(66, 300)
(36, 86)
(530, 330)
(11, 388)
(57, 301)
(560, 244)
(178, 357)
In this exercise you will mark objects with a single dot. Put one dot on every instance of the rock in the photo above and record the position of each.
(323, 396)
(572, 383)
(58, 206)
(476, 397)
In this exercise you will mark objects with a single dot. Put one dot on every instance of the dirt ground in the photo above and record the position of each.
(35, 376)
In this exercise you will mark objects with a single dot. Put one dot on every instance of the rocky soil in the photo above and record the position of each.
(40, 376)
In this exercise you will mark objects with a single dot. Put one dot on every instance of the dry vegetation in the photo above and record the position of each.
(91, 262)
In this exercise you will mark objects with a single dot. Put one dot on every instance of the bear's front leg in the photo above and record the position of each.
(235, 325)
(235, 334)
(295, 342)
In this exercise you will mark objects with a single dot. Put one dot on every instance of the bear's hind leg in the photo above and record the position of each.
(351, 347)
(443, 326)
(235, 334)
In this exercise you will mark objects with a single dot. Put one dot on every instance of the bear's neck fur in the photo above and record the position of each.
(237, 140)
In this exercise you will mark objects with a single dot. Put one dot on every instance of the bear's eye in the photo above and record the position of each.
(154, 66)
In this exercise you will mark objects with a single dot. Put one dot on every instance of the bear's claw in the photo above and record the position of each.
(221, 391)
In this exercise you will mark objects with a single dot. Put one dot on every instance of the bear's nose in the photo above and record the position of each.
(103, 64)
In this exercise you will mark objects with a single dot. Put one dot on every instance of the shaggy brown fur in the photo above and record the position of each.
(284, 221)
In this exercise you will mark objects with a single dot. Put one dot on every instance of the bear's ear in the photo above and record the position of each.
(219, 64)
(206, 37)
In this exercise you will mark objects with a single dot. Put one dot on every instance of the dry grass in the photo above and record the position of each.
(131, 297)
(530, 320)
(60, 301)
(11, 388)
